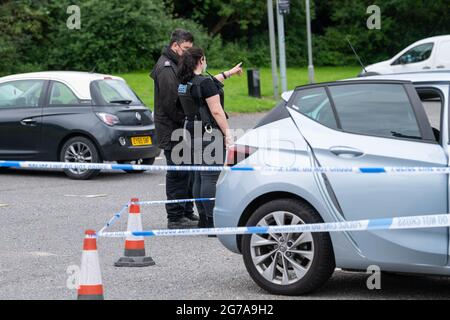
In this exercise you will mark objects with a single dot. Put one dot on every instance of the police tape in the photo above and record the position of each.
(119, 214)
(128, 167)
(155, 202)
(397, 223)
(116, 217)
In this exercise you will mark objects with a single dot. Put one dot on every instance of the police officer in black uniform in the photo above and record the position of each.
(169, 117)
(202, 99)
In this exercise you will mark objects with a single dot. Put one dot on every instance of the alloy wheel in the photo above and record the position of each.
(285, 258)
(78, 152)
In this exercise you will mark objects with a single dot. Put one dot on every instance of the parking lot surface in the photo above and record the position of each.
(43, 216)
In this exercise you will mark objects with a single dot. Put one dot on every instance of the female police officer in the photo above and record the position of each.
(202, 100)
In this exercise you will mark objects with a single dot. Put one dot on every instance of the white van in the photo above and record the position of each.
(427, 54)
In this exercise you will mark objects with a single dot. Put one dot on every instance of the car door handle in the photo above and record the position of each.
(440, 67)
(426, 68)
(28, 122)
(346, 152)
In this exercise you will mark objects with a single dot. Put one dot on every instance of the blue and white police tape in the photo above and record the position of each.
(155, 202)
(107, 166)
(410, 222)
(118, 215)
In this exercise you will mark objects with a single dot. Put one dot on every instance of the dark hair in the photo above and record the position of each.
(188, 62)
(180, 36)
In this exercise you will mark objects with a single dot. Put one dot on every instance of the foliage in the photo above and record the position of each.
(121, 36)
(114, 35)
(22, 26)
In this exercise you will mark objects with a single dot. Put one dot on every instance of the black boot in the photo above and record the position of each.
(191, 216)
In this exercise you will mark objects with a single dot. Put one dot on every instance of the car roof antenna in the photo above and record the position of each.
(93, 69)
(357, 56)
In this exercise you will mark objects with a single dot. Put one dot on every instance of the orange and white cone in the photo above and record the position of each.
(134, 246)
(91, 287)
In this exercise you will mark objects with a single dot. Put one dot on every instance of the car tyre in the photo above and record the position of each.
(312, 253)
(146, 162)
(80, 150)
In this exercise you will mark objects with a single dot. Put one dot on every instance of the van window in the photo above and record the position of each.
(417, 54)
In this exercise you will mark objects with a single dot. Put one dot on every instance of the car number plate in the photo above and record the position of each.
(141, 141)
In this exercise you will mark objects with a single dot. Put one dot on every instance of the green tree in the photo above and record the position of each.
(217, 15)
(402, 23)
(114, 36)
(121, 35)
(23, 25)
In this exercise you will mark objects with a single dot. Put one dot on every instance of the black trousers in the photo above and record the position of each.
(205, 187)
(178, 186)
(205, 183)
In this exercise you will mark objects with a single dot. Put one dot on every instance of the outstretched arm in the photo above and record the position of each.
(235, 70)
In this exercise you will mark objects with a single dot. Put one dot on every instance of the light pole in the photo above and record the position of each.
(273, 50)
(282, 8)
(310, 56)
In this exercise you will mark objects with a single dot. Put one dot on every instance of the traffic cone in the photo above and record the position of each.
(134, 246)
(91, 287)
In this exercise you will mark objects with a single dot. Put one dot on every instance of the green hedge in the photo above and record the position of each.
(115, 35)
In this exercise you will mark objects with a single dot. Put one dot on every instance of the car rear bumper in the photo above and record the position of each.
(227, 213)
(113, 150)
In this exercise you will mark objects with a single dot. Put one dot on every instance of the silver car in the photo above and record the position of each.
(395, 120)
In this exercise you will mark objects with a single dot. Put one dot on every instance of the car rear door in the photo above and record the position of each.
(63, 111)
(377, 124)
(20, 118)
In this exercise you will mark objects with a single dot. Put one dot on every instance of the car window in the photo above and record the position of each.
(21, 93)
(417, 54)
(113, 92)
(315, 104)
(432, 102)
(62, 95)
(375, 109)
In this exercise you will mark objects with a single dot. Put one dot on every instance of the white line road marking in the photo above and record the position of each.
(161, 184)
(3, 205)
(41, 254)
(27, 254)
(86, 196)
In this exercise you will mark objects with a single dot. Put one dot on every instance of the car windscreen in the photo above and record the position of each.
(113, 92)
